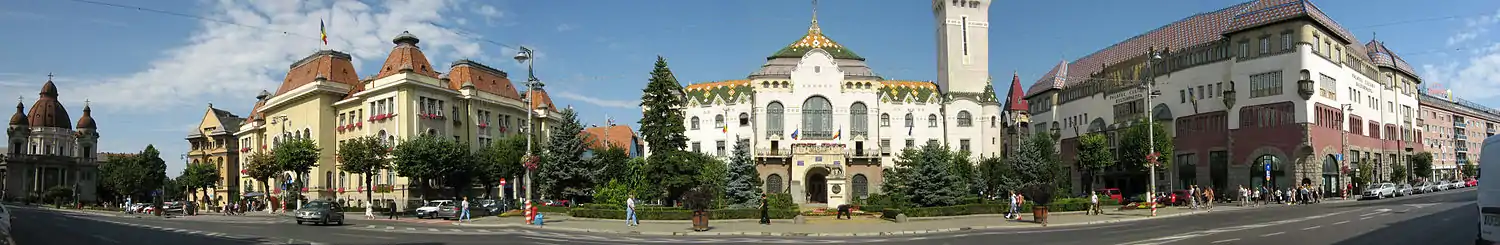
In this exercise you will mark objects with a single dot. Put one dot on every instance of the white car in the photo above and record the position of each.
(1488, 193)
(1456, 184)
(5, 223)
(430, 209)
(1381, 190)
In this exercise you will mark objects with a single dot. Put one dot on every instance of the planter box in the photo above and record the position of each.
(1040, 214)
(700, 220)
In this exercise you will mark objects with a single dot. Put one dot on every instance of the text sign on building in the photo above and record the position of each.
(1127, 96)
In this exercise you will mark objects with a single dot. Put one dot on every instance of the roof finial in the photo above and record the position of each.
(87, 102)
(49, 74)
(814, 27)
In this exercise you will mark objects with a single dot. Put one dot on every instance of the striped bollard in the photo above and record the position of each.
(529, 215)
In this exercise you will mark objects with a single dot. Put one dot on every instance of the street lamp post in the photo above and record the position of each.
(1344, 133)
(526, 56)
(1151, 129)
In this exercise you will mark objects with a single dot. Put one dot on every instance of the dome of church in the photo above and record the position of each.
(47, 111)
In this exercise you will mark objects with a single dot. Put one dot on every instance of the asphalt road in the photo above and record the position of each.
(1438, 218)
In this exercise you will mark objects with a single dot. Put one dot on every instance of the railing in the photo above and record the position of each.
(1461, 149)
(815, 135)
(1460, 125)
(1461, 137)
(864, 152)
(768, 152)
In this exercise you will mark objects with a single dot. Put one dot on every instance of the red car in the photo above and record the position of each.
(1472, 182)
(1112, 193)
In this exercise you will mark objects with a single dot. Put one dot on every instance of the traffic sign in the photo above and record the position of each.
(502, 181)
(1339, 156)
(1268, 169)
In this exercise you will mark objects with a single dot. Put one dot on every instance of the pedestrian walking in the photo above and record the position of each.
(630, 211)
(1208, 197)
(394, 214)
(1014, 205)
(1094, 204)
(464, 206)
(765, 210)
(1020, 201)
(1192, 197)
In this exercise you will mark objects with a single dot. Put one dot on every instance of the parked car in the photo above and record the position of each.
(136, 207)
(430, 209)
(320, 212)
(452, 210)
(1471, 182)
(1458, 184)
(1404, 190)
(1112, 194)
(1425, 187)
(5, 222)
(1381, 190)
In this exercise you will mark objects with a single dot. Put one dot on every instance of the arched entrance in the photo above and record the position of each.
(816, 185)
(1259, 176)
(1331, 174)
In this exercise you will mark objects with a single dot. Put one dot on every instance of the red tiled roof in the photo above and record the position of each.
(618, 136)
(540, 99)
(1381, 56)
(1193, 30)
(484, 78)
(1015, 99)
(334, 65)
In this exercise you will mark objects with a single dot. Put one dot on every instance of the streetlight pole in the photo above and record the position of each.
(525, 56)
(1152, 56)
(1344, 133)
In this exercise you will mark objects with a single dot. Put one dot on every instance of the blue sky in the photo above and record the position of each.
(152, 74)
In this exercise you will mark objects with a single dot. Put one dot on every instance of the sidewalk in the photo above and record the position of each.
(868, 225)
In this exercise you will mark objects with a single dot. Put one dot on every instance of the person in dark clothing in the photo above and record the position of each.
(843, 212)
(765, 210)
(394, 214)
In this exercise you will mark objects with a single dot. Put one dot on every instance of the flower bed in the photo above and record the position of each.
(680, 214)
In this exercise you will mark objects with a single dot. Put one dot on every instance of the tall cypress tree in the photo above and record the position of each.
(564, 173)
(662, 123)
(743, 187)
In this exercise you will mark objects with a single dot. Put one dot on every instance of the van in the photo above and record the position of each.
(1489, 193)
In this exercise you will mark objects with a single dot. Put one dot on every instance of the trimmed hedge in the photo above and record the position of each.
(551, 209)
(1059, 205)
(679, 214)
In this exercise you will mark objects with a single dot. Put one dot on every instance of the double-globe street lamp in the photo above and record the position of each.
(1152, 57)
(526, 55)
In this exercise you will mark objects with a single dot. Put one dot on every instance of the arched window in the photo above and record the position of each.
(382, 137)
(432, 132)
(817, 118)
(964, 119)
(693, 123)
(343, 180)
(910, 121)
(773, 183)
(885, 120)
(744, 119)
(774, 119)
(859, 118)
(861, 186)
(307, 133)
(932, 121)
(328, 179)
(719, 121)
(993, 120)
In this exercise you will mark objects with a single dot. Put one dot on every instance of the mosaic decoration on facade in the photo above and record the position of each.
(815, 40)
(908, 92)
(718, 92)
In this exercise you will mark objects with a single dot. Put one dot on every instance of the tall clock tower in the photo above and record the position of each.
(963, 44)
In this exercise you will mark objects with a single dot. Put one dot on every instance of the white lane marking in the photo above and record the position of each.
(410, 229)
(455, 230)
(1313, 227)
(369, 236)
(1341, 222)
(547, 239)
(485, 231)
(1273, 234)
(1169, 239)
(1226, 240)
(1365, 218)
(105, 239)
(1384, 214)
(432, 229)
(390, 227)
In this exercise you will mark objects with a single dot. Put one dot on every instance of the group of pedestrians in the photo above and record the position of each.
(1200, 197)
(1016, 201)
(1295, 195)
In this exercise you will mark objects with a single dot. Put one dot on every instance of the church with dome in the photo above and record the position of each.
(46, 149)
(822, 124)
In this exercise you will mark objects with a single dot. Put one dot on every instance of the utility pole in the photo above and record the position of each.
(525, 55)
(1151, 57)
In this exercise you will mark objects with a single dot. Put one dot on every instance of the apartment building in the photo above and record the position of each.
(1455, 129)
(1264, 93)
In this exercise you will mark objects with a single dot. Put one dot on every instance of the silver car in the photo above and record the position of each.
(320, 212)
(1404, 190)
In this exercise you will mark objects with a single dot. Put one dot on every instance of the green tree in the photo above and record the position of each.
(742, 190)
(712, 179)
(672, 173)
(612, 161)
(995, 176)
(1421, 164)
(262, 167)
(924, 176)
(1094, 156)
(661, 125)
(59, 195)
(1036, 167)
(564, 173)
(298, 156)
(155, 168)
(1364, 176)
(1398, 173)
(1134, 146)
(430, 158)
(199, 177)
(1469, 170)
(502, 159)
(172, 190)
(637, 179)
(959, 166)
(364, 156)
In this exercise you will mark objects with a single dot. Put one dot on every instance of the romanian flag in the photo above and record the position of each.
(837, 133)
(725, 128)
(324, 30)
(795, 132)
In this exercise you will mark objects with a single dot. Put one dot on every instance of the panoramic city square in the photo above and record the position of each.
(749, 122)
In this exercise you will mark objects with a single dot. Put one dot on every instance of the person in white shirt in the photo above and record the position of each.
(1094, 204)
(465, 207)
(630, 212)
(1014, 206)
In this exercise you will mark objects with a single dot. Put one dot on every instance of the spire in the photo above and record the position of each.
(1013, 99)
(814, 27)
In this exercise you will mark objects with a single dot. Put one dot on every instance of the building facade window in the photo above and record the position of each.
(817, 118)
(859, 119)
(910, 121)
(693, 123)
(885, 120)
(1265, 84)
(932, 120)
(774, 115)
(964, 119)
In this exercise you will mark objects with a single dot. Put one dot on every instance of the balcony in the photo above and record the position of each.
(863, 153)
(1461, 137)
(1489, 130)
(1460, 125)
(1461, 149)
(769, 152)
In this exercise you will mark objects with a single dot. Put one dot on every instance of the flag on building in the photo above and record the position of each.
(794, 133)
(836, 134)
(322, 29)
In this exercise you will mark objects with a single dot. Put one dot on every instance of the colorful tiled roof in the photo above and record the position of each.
(814, 39)
(713, 92)
(540, 99)
(618, 136)
(1193, 30)
(902, 91)
(1381, 56)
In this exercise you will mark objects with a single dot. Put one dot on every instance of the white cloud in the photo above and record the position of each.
(1474, 28)
(490, 13)
(237, 60)
(625, 104)
(565, 27)
(1471, 76)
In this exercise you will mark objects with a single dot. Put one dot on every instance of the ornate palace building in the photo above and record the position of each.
(822, 124)
(324, 99)
(46, 150)
(1456, 129)
(1266, 82)
(213, 142)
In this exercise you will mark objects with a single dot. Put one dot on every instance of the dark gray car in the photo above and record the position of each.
(477, 208)
(320, 212)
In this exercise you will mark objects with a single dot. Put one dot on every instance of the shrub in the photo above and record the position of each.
(680, 214)
(781, 201)
(551, 209)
